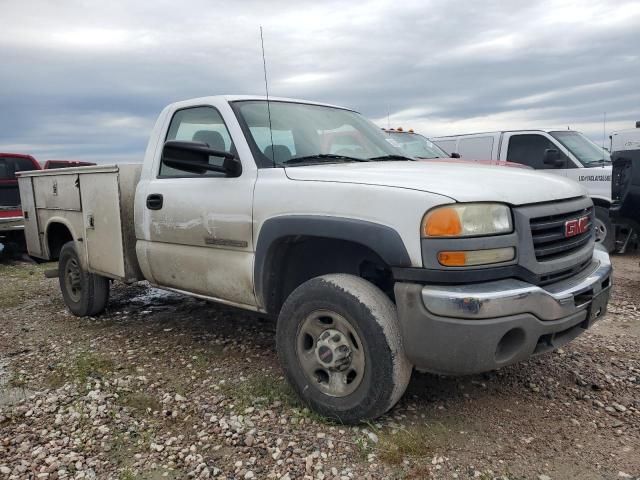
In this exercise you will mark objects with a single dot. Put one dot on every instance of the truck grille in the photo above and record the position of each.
(549, 240)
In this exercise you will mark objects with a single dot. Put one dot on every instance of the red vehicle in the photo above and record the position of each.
(11, 222)
(65, 164)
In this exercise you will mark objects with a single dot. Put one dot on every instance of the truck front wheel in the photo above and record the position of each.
(86, 294)
(605, 233)
(340, 346)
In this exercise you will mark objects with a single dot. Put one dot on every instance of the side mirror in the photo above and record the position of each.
(554, 158)
(193, 157)
(455, 155)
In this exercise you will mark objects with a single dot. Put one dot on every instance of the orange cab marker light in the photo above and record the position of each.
(452, 259)
(443, 222)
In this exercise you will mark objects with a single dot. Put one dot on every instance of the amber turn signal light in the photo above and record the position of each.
(476, 257)
(442, 222)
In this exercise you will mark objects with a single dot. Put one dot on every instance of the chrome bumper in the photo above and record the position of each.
(510, 296)
(11, 223)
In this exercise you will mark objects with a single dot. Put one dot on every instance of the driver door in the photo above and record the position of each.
(200, 225)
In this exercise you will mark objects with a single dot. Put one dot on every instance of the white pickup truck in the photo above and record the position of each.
(372, 263)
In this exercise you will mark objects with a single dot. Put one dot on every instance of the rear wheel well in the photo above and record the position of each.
(294, 260)
(57, 235)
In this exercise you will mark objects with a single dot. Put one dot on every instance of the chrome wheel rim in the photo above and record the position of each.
(601, 230)
(330, 353)
(72, 280)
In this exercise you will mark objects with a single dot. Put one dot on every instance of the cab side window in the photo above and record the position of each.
(199, 124)
(528, 149)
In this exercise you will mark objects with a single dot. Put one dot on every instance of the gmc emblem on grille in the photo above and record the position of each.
(576, 226)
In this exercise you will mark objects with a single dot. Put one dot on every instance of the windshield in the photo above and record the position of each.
(304, 134)
(587, 152)
(9, 194)
(10, 165)
(416, 145)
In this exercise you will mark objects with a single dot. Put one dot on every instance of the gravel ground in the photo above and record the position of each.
(164, 386)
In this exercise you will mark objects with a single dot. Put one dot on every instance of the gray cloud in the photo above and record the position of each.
(85, 80)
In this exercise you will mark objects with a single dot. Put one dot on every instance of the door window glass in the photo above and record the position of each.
(199, 124)
(528, 149)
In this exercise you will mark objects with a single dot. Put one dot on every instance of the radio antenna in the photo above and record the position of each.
(388, 117)
(604, 135)
(266, 88)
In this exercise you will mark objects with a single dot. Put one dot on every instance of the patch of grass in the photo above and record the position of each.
(207, 358)
(17, 381)
(363, 448)
(21, 281)
(120, 452)
(141, 401)
(54, 380)
(10, 298)
(258, 390)
(413, 441)
(127, 474)
(265, 390)
(22, 270)
(89, 364)
(305, 412)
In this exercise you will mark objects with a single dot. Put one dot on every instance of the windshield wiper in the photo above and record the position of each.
(322, 156)
(602, 161)
(391, 157)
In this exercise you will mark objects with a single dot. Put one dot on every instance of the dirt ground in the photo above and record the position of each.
(164, 386)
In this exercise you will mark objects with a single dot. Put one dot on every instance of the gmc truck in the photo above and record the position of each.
(373, 264)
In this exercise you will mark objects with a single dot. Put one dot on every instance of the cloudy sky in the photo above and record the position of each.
(86, 79)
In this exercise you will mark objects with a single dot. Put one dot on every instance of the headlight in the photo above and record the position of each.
(467, 220)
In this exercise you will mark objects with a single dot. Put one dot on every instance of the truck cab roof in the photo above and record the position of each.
(513, 130)
(213, 99)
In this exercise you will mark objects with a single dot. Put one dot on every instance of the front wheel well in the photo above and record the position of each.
(295, 259)
(599, 202)
(57, 235)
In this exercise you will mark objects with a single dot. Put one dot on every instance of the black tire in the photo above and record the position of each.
(605, 231)
(86, 294)
(385, 372)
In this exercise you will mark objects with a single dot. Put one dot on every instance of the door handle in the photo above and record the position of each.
(154, 201)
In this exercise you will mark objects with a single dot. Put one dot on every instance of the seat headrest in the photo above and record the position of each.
(280, 153)
(211, 138)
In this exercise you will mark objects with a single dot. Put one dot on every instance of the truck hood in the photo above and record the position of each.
(460, 182)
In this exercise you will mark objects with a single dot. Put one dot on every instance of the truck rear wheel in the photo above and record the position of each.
(340, 346)
(605, 232)
(86, 294)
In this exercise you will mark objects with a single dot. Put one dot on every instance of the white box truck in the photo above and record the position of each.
(372, 263)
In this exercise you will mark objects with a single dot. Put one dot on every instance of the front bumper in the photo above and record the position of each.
(458, 329)
(9, 224)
